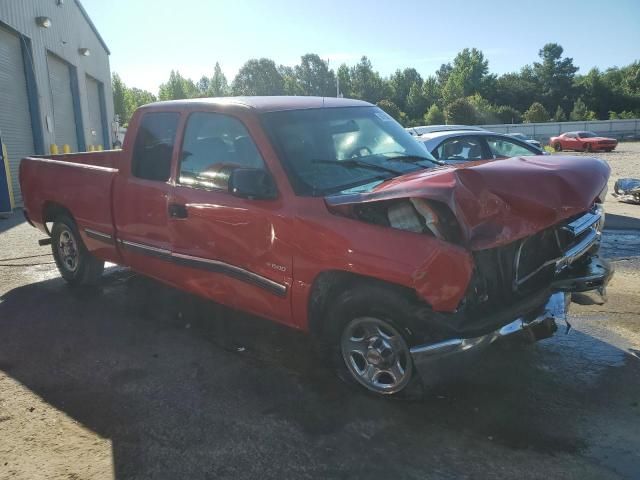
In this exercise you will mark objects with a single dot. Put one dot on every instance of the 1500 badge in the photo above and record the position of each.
(275, 266)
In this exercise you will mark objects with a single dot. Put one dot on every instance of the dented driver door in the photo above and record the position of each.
(225, 247)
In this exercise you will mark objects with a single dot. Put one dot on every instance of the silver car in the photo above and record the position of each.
(462, 146)
(524, 138)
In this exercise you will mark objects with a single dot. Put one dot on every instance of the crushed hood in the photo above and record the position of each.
(502, 201)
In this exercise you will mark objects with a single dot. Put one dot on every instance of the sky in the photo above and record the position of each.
(148, 39)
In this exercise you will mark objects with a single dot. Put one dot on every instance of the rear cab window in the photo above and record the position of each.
(153, 147)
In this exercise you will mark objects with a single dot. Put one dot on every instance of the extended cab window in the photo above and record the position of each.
(154, 146)
(214, 145)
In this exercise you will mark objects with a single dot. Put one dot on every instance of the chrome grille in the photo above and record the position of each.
(538, 258)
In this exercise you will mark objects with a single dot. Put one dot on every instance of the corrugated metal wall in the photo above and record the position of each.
(64, 120)
(69, 32)
(96, 126)
(542, 131)
(15, 119)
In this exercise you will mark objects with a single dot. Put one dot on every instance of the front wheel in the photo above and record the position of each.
(369, 343)
(557, 147)
(588, 148)
(75, 263)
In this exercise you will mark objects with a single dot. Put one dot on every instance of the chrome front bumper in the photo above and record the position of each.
(581, 281)
(555, 309)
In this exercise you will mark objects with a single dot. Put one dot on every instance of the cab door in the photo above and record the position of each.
(227, 248)
(141, 197)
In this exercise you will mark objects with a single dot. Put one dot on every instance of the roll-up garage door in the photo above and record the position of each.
(64, 119)
(15, 118)
(96, 128)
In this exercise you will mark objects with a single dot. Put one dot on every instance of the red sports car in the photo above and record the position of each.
(582, 142)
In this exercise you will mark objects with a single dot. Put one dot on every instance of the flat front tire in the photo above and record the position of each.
(75, 263)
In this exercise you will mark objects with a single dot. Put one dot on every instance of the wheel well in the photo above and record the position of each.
(328, 285)
(53, 210)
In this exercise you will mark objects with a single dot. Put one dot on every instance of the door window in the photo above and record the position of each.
(502, 147)
(154, 146)
(460, 148)
(214, 145)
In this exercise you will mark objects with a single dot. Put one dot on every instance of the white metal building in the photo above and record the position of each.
(55, 81)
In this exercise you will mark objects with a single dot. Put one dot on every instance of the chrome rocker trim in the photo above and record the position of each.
(208, 264)
(100, 236)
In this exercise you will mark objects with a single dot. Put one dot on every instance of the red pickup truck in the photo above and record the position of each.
(325, 215)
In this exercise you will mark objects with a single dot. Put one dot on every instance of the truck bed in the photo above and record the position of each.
(79, 182)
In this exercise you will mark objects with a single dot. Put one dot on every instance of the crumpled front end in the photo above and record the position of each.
(525, 288)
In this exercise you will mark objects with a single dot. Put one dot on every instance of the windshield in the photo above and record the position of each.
(587, 135)
(329, 150)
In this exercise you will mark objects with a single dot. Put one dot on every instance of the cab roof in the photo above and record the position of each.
(265, 104)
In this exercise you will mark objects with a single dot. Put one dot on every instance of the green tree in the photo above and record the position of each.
(290, 81)
(461, 112)
(453, 90)
(218, 86)
(467, 76)
(391, 108)
(536, 114)
(400, 84)
(485, 112)
(203, 86)
(507, 114)
(624, 115)
(314, 77)
(431, 90)
(177, 88)
(442, 74)
(416, 103)
(555, 76)
(518, 90)
(344, 80)
(580, 112)
(140, 97)
(258, 77)
(560, 116)
(434, 116)
(366, 84)
(121, 100)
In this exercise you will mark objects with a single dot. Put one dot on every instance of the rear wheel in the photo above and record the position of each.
(557, 147)
(367, 341)
(588, 148)
(75, 263)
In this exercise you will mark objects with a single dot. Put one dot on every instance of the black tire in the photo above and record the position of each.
(557, 147)
(386, 309)
(78, 269)
(608, 149)
(588, 148)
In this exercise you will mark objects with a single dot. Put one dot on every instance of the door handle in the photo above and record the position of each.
(178, 211)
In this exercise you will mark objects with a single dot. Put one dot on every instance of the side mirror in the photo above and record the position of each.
(252, 183)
